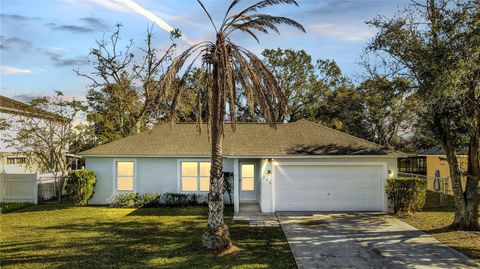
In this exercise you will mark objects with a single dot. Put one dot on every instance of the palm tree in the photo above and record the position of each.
(226, 69)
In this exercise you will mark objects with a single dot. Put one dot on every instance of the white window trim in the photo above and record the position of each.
(179, 175)
(254, 176)
(115, 190)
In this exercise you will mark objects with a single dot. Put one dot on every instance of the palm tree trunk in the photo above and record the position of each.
(216, 237)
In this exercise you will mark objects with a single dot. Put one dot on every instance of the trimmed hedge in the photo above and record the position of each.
(135, 200)
(125, 200)
(149, 200)
(406, 194)
(80, 186)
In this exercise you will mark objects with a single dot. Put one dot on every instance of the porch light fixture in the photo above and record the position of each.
(268, 176)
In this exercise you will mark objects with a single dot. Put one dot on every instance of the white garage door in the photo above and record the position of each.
(329, 188)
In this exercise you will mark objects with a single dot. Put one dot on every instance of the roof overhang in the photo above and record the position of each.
(237, 156)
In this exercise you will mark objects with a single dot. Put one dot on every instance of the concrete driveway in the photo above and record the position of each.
(364, 240)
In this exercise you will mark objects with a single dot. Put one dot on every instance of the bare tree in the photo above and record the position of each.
(124, 91)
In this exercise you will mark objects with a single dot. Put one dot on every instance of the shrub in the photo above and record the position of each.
(228, 185)
(149, 200)
(125, 200)
(80, 186)
(179, 199)
(406, 194)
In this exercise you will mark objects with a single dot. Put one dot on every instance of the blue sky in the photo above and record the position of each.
(42, 41)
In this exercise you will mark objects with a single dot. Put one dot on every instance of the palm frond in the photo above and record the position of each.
(208, 14)
(181, 86)
(259, 84)
(232, 5)
(259, 5)
(265, 21)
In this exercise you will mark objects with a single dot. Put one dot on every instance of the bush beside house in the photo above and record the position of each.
(135, 200)
(406, 194)
(80, 186)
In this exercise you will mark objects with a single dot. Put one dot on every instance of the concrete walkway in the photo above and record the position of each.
(364, 240)
(252, 214)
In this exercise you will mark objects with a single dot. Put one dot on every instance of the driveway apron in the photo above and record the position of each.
(364, 240)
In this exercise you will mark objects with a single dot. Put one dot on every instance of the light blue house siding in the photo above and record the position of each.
(152, 175)
(161, 175)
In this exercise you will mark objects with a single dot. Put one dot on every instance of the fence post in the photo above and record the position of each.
(35, 180)
(2, 185)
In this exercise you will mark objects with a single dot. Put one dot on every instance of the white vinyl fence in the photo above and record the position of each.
(18, 188)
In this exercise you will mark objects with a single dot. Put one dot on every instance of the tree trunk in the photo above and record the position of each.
(467, 207)
(217, 237)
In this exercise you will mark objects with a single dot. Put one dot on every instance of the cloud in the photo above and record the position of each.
(94, 22)
(57, 55)
(15, 42)
(130, 5)
(73, 29)
(112, 4)
(18, 18)
(346, 33)
(10, 70)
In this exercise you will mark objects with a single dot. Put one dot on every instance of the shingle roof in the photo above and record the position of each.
(11, 106)
(250, 139)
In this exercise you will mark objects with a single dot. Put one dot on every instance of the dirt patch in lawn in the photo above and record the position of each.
(436, 224)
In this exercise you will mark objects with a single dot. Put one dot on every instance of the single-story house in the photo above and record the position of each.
(299, 166)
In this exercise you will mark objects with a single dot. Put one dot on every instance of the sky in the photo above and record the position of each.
(43, 41)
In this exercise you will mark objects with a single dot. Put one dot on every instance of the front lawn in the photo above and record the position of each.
(60, 236)
(434, 222)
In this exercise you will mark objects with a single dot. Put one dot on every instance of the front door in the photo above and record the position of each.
(248, 188)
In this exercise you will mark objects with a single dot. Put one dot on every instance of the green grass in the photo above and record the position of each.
(61, 236)
(10, 207)
(436, 222)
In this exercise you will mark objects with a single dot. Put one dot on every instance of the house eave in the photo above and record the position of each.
(238, 156)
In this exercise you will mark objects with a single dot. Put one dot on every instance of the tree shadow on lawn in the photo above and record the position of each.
(153, 237)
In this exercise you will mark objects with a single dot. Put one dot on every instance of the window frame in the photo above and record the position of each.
(10, 159)
(180, 176)
(254, 176)
(115, 176)
(15, 160)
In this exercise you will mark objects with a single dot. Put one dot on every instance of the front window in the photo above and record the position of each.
(195, 176)
(248, 177)
(16, 160)
(125, 174)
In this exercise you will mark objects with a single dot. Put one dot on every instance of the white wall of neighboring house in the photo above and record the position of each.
(7, 152)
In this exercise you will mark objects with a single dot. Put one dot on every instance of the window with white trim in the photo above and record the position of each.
(16, 160)
(195, 176)
(248, 177)
(125, 175)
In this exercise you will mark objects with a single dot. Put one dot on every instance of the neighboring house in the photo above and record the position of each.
(300, 166)
(432, 163)
(12, 161)
(16, 162)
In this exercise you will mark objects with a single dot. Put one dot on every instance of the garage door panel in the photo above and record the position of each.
(328, 188)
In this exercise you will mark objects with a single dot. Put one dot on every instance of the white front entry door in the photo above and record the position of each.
(248, 186)
(329, 188)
